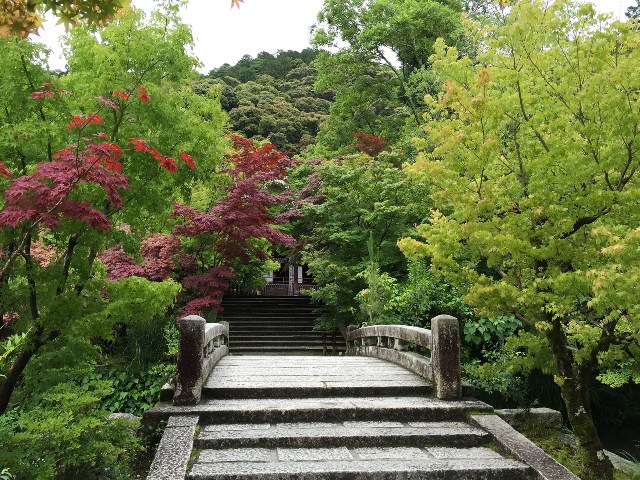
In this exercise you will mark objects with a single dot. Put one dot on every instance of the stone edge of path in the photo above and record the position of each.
(174, 451)
(523, 449)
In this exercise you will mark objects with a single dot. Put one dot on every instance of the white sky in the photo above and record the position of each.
(223, 35)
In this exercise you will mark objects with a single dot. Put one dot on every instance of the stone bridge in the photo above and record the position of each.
(393, 408)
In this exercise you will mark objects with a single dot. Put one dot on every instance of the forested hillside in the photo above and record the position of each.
(273, 97)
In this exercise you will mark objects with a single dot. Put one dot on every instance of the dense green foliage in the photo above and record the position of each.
(381, 71)
(77, 339)
(534, 176)
(273, 97)
(342, 213)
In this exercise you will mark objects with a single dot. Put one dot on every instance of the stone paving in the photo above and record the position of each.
(329, 418)
(355, 433)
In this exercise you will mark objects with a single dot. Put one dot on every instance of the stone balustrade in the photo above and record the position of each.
(390, 342)
(201, 346)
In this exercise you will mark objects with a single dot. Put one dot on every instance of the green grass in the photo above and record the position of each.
(567, 455)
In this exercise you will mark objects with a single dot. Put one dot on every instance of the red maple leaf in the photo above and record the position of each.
(4, 170)
(82, 119)
(123, 95)
(188, 160)
(168, 164)
(143, 94)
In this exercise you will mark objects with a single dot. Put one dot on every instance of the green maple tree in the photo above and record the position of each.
(533, 163)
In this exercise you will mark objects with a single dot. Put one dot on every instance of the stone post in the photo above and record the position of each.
(445, 357)
(190, 359)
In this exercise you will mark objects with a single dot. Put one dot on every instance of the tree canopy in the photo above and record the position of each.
(273, 97)
(534, 174)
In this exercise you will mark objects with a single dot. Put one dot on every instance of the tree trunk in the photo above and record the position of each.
(13, 375)
(574, 388)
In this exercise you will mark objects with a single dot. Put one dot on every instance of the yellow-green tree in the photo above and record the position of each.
(533, 159)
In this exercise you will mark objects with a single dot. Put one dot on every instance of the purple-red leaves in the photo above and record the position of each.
(38, 95)
(158, 252)
(242, 216)
(370, 144)
(46, 195)
(107, 102)
(211, 285)
(47, 91)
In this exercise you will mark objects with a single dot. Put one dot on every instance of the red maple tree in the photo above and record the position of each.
(244, 214)
(372, 145)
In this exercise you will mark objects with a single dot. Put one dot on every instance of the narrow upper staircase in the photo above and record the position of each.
(272, 325)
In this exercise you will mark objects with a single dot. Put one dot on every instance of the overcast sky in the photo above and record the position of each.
(223, 35)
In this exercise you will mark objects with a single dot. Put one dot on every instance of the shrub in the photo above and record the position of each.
(65, 435)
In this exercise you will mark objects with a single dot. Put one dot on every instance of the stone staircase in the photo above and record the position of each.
(273, 325)
(285, 418)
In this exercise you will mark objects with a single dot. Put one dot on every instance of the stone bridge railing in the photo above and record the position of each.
(201, 346)
(390, 342)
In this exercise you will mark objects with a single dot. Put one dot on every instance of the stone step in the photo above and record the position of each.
(269, 315)
(257, 307)
(289, 410)
(240, 389)
(263, 298)
(298, 378)
(269, 321)
(274, 336)
(288, 350)
(271, 328)
(284, 341)
(337, 434)
(366, 463)
(275, 331)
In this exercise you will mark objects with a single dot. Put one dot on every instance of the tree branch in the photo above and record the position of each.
(581, 222)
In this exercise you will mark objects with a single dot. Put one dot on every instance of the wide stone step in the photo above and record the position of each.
(309, 316)
(273, 350)
(260, 309)
(307, 328)
(312, 390)
(270, 321)
(276, 331)
(288, 410)
(336, 434)
(278, 341)
(364, 463)
(276, 337)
